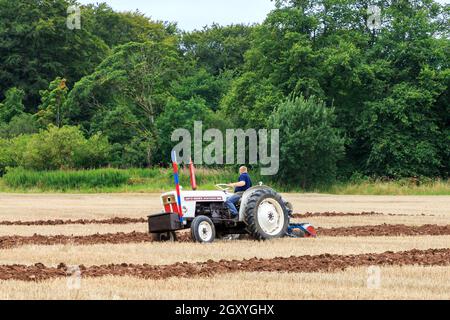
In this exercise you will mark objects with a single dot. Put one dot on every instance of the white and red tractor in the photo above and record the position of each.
(263, 214)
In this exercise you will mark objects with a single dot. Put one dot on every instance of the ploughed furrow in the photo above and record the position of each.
(115, 220)
(386, 230)
(126, 220)
(113, 238)
(107, 238)
(335, 214)
(352, 214)
(317, 263)
(137, 237)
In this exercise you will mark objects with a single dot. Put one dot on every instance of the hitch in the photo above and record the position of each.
(301, 230)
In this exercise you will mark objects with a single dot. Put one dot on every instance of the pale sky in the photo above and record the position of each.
(195, 14)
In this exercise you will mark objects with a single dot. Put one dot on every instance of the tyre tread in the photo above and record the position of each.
(249, 213)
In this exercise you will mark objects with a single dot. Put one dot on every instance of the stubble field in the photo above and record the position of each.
(96, 247)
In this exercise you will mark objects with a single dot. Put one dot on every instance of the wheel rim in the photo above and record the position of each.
(270, 217)
(205, 231)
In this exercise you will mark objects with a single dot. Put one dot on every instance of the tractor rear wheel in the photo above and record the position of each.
(266, 215)
(169, 236)
(203, 230)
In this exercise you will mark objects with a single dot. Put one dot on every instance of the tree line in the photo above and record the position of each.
(348, 100)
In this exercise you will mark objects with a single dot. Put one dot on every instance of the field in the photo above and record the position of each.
(109, 180)
(95, 246)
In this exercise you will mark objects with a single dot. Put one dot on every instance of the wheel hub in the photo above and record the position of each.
(270, 216)
(205, 231)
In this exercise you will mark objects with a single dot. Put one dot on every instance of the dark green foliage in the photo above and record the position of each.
(389, 89)
(373, 103)
(250, 101)
(179, 114)
(51, 109)
(12, 106)
(55, 148)
(117, 28)
(204, 85)
(136, 77)
(119, 125)
(403, 134)
(24, 123)
(218, 48)
(36, 46)
(310, 146)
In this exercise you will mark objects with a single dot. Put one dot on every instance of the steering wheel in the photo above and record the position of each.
(223, 187)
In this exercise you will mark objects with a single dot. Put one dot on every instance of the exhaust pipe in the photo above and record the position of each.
(192, 175)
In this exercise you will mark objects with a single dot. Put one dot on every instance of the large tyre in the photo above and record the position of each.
(169, 236)
(203, 230)
(266, 215)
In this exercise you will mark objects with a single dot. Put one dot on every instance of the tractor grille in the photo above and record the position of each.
(169, 199)
(170, 203)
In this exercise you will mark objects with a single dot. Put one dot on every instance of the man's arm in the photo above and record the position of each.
(237, 184)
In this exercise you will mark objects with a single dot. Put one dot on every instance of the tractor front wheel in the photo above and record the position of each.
(203, 230)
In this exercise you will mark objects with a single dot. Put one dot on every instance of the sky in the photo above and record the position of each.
(195, 14)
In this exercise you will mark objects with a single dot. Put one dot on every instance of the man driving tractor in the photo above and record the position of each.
(244, 183)
(211, 214)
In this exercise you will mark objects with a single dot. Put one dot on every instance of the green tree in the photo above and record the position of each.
(180, 115)
(52, 101)
(12, 105)
(93, 152)
(36, 47)
(63, 148)
(250, 101)
(324, 48)
(403, 128)
(5, 158)
(12, 151)
(403, 134)
(118, 28)
(217, 48)
(202, 84)
(119, 125)
(24, 123)
(310, 145)
(138, 76)
(214, 55)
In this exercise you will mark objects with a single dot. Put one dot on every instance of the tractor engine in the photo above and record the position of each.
(215, 210)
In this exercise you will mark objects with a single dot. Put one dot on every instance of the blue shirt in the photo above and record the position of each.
(248, 183)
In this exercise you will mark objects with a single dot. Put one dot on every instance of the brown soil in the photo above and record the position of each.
(107, 238)
(116, 220)
(125, 220)
(350, 214)
(323, 262)
(386, 230)
(335, 214)
(113, 238)
(137, 237)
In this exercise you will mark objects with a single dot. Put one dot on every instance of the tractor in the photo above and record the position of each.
(263, 214)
